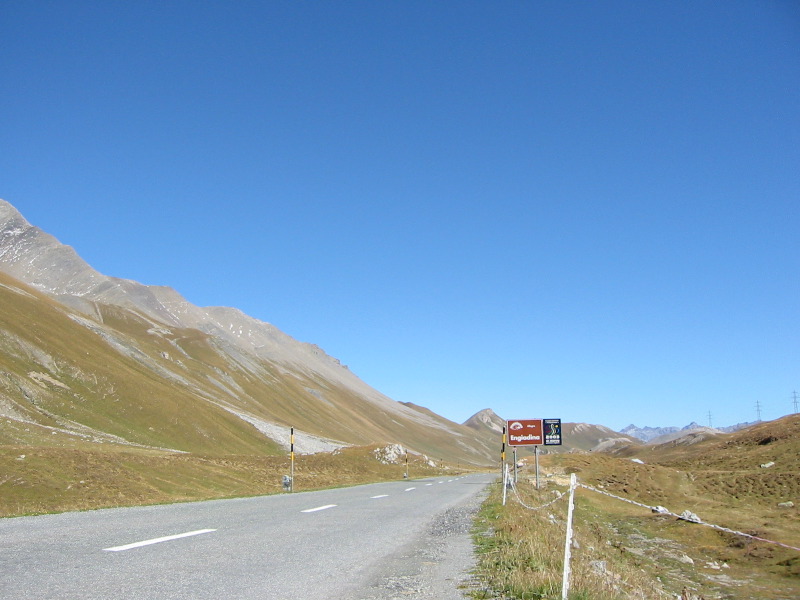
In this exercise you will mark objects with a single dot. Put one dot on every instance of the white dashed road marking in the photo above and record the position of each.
(310, 510)
(157, 540)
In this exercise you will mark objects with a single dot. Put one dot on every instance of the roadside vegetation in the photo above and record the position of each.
(36, 480)
(521, 552)
(624, 551)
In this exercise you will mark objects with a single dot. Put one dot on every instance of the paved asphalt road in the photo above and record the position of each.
(406, 539)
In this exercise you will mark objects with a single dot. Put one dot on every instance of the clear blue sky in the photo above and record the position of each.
(585, 210)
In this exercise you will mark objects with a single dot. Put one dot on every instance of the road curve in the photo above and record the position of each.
(371, 542)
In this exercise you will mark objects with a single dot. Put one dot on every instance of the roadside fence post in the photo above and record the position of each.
(505, 483)
(573, 480)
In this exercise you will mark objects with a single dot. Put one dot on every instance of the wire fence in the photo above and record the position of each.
(516, 495)
(687, 516)
(574, 484)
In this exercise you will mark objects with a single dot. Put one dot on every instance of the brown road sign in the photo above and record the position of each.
(525, 432)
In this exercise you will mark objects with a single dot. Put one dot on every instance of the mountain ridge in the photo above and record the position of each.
(658, 434)
(38, 258)
(218, 356)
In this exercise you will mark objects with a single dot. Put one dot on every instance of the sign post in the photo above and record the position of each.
(515, 465)
(532, 432)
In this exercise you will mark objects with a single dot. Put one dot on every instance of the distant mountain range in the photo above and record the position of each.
(658, 435)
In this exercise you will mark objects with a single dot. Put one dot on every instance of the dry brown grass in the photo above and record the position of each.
(677, 554)
(36, 480)
(626, 551)
(521, 552)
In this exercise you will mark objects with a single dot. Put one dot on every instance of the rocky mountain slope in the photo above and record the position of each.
(87, 358)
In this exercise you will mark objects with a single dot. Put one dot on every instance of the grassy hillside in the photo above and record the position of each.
(626, 551)
(159, 413)
(124, 378)
(68, 383)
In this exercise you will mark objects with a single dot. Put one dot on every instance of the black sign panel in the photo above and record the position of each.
(552, 432)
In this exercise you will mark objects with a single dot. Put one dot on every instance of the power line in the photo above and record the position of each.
(795, 401)
(758, 409)
(710, 425)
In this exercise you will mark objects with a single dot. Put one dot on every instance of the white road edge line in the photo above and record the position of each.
(409, 489)
(381, 496)
(157, 540)
(310, 510)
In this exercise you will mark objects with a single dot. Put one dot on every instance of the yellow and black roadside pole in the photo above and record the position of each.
(503, 466)
(503, 455)
(291, 454)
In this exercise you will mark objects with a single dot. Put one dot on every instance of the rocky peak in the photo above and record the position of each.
(486, 418)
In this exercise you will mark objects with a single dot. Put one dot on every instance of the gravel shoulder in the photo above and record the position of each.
(436, 565)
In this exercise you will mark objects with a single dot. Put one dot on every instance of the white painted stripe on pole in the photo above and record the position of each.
(409, 489)
(157, 540)
(310, 510)
(381, 496)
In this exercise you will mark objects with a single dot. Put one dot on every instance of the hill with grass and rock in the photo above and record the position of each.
(96, 365)
(698, 517)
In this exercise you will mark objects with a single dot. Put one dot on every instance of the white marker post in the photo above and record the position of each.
(568, 543)
(505, 483)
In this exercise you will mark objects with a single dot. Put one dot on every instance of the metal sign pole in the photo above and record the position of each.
(515, 465)
(536, 458)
